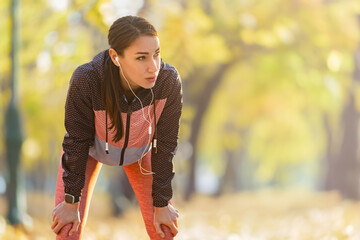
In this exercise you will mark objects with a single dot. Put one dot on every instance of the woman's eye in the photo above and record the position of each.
(157, 54)
(141, 58)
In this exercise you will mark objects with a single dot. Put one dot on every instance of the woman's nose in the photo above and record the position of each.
(153, 66)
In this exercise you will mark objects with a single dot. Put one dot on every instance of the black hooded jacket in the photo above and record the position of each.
(88, 133)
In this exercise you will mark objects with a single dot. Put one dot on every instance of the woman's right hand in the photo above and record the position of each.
(66, 213)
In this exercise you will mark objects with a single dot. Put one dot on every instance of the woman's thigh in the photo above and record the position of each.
(142, 186)
(92, 171)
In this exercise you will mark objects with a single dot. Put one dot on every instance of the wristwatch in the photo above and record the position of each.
(71, 199)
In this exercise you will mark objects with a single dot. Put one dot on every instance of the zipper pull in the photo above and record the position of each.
(107, 148)
(154, 144)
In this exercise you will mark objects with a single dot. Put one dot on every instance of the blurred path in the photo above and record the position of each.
(246, 216)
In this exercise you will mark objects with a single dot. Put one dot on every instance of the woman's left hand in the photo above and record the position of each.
(168, 216)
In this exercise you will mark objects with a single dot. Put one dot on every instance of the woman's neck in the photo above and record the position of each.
(129, 96)
(127, 91)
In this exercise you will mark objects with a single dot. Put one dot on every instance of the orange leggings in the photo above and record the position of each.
(141, 184)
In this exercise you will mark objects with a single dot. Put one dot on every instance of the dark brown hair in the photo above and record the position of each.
(122, 33)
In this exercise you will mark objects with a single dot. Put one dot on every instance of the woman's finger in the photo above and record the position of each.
(58, 227)
(74, 228)
(158, 229)
(173, 229)
(54, 224)
(54, 215)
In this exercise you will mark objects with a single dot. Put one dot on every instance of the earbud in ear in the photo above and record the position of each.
(117, 60)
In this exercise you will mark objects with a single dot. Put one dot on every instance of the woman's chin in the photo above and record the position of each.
(148, 85)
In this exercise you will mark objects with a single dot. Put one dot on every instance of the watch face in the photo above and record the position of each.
(69, 198)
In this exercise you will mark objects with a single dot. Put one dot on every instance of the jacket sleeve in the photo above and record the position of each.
(80, 131)
(167, 140)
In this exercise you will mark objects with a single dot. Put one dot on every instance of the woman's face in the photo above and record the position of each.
(140, 62)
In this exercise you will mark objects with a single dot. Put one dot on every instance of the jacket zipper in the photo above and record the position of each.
(127, 133)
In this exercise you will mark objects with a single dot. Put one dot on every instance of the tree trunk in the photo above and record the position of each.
(121, 192)
(229, 182)
(14, 133)
(347, 169)
(348, 166)
(201, 108)
(343, 168)
(145, 9)
(231, 178)
(330, 179)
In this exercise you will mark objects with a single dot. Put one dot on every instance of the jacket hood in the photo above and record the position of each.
(98, 63)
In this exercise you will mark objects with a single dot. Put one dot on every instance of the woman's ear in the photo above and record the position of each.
(113, 55)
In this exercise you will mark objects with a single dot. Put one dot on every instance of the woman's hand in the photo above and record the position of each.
(168, 216)
(65, 213)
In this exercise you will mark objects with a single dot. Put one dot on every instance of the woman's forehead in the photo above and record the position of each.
(144, 44)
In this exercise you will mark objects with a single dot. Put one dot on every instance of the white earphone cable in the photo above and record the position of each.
(147, 172)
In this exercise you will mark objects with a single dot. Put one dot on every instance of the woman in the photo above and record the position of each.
(122, 108)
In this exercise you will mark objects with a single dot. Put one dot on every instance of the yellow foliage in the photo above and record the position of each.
(292, 63)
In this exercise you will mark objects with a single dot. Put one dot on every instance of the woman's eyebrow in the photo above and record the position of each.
(147, 53)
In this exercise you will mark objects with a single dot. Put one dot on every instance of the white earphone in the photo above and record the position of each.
(143, 113)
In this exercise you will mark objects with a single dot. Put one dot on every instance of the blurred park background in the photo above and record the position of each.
(269, 138)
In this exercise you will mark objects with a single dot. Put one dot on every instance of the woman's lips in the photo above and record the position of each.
(151, 79)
